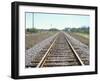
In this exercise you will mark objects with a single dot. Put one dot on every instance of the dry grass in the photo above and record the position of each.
(85, 35)
(33, 38)
(83, 38)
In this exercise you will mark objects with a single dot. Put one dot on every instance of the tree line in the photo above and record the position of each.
(67, 29)
(81, 29)
(34, 30)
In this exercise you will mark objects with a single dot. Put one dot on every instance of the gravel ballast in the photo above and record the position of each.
(83, 49)
(34, 51)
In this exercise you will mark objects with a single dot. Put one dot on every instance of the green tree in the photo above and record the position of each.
(53, 29)
(32, 30)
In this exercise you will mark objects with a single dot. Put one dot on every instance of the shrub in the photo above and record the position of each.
(32, 30)
(53, 29)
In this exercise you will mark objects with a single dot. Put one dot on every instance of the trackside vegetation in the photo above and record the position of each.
(80, 30)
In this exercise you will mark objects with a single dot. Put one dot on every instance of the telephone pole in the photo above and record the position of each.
(33, 20)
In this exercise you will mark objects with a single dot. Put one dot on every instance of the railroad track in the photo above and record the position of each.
(59, 53)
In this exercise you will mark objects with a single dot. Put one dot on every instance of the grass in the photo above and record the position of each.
(86, 35)
(33, 38)
(83, 37)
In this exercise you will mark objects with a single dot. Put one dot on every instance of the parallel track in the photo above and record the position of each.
(59, 53)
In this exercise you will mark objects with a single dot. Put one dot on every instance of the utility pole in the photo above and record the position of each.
(51, 25)
(33, 20)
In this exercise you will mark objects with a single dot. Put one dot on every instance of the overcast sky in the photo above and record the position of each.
(59, 21)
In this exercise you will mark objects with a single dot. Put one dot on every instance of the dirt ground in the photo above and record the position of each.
(33, 38)
(81, 38)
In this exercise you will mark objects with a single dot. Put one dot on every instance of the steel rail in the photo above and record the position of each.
(42, 61)
(40, 64)
(76, 54)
